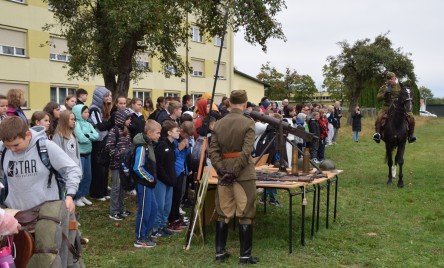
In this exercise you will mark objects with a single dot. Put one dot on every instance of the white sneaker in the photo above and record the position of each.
(100, 199)
(79, 203)
(132, 192)
(107, 197)
(86, 201)
(182, 212)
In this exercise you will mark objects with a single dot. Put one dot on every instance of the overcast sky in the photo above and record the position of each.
(313, 29)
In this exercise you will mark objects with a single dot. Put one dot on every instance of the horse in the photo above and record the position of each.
(395, 133)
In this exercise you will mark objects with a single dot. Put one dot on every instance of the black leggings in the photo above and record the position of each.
(99, 174)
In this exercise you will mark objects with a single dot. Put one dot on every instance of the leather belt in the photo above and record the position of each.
(231, 155)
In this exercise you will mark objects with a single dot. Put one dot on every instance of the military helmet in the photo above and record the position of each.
(327, 165)
(390, 75)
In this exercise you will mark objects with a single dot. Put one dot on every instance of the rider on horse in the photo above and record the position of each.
(388, 93)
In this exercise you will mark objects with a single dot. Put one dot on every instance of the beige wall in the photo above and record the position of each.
(255, 90)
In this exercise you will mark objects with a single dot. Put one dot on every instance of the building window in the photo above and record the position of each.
(171, 94)
(141, 94)
(222, 70)
(58, 50)
(12, 42)
(197, 67)
(218, 41)
(58, 94)
(143, 62)
(5, 86)
(195, 96)
(170, 70)
(195, 34)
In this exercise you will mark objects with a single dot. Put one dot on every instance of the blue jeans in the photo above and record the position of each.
(164, 199)
(272, 193)
(146, 211)
(355, 135)
(86, 178)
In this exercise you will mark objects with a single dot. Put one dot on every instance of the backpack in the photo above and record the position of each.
(103, 157)
(44, 157)
(126, 163)
(52, 237)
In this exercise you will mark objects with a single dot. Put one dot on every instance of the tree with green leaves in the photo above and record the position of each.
(365, 64)
(106, 37)
(272, 77)
(425, 93)
(291, 85)
(304, 89)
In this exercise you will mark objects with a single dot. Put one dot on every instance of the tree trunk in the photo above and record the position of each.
(110, 82)
(125, 67)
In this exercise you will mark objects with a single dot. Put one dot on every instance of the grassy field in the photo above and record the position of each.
(377, 225)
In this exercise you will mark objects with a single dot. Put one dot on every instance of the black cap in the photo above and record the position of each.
(250, 104)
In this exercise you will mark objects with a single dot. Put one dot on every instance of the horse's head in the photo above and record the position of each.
(404, 100)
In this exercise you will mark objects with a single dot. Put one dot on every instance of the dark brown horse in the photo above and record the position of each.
(395, 134)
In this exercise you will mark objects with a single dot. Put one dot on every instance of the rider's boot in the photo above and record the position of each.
(411, 135)
(377, 136)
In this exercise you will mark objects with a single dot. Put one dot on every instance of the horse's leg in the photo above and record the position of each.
(388, 151)
(400, 160)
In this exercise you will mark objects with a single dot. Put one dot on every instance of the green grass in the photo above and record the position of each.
(377, 225)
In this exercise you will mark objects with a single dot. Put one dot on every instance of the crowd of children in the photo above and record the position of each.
(166, 143)
(88, 135)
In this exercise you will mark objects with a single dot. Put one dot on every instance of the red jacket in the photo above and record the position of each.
(323, 126)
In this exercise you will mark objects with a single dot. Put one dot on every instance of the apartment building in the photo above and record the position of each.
(29, 63)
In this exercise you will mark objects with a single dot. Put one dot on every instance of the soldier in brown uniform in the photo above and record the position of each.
(387, 93)
(230, 153)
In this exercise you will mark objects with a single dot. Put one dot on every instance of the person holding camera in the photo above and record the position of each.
(356, 123)
(387, 93)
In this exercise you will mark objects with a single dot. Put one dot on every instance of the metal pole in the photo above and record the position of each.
(187, 64)
(216, 75)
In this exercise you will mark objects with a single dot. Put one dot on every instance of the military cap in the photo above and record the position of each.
(390, 75)
(238, 96)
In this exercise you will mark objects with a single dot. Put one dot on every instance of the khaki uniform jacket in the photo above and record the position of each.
(234, 133)
(388, 101)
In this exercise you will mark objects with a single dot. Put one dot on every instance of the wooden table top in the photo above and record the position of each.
(279, 184)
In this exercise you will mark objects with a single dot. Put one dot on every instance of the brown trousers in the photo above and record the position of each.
(237, 200)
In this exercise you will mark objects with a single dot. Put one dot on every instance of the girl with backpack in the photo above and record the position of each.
(118, 140)
(86, 134)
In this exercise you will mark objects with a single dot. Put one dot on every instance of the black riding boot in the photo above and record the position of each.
(221, 241)
(377, 135)
(246, 244)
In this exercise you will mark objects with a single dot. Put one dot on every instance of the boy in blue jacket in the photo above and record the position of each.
(183, 150)
(145, 169)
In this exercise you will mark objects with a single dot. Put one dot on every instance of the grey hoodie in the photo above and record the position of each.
(28, 177)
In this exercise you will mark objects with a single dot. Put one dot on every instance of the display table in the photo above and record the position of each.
(295, 188)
